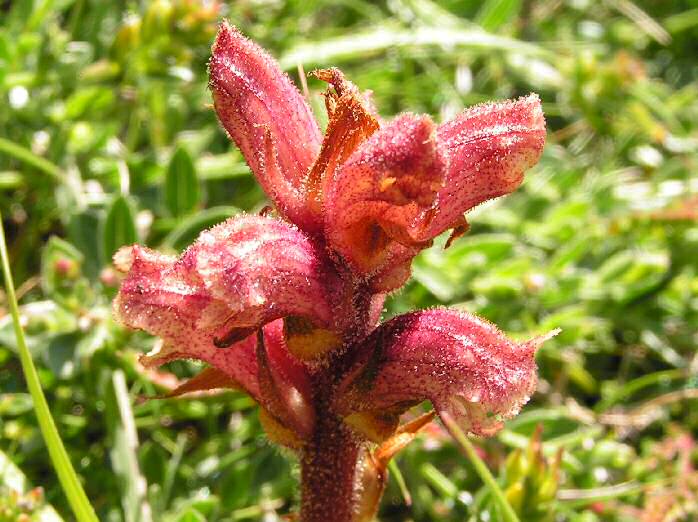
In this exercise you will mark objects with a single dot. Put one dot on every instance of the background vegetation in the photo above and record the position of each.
(107, 137)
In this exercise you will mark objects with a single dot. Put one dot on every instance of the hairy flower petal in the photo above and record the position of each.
(262, 269)
(409, 182)
(238, 276)
(265, 115)
(463, 364)
(157, 296)
(382, 191)
(488, 148)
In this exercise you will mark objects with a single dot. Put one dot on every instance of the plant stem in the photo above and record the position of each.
(59, 457)
(328, 469)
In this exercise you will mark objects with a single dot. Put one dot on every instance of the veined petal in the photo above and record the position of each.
(262, 269)
(488, 148)
(238, 276)
(463, 364)
(285, 389)
(158, 296)
(265, 115)
(380, 195)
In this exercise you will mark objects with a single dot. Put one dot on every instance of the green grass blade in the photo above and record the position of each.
(577, 498)
(26, 156)
(495, 13)
(481, 469)
(66, 474)
(682, 21)
(629, 388)
(400, 481)
(379, 39)
(125, 453)
(644, 21)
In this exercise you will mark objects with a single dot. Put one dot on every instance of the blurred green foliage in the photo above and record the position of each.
(107, 137)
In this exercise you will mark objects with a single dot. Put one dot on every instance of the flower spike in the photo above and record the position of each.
(286, 305)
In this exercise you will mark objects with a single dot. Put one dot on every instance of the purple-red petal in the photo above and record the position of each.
(284, 383)
(265, 115)
(488, 148)
(156, 297)
(382, 192)
(263, 269)
(238, 276)
(463, 364)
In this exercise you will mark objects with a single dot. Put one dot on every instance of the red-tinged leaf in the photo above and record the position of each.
(373, 477)
(208, 379)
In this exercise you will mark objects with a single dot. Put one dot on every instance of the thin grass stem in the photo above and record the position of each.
(481, 469)
(59, 457)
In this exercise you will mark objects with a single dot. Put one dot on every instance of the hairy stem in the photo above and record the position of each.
(328, 468)
(329, 460)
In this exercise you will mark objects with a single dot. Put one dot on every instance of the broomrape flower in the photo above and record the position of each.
(286, 306)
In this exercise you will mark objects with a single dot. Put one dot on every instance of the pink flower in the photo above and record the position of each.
(287, 308)
(464, 365)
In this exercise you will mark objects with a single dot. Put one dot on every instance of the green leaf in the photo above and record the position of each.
(222, 166)
(448, 273)
(191, 515)
(508, 513)
(181, 186)
(27, 156)
(119, 227)
(495, 13)
(11, 475)
(385, 37)
(629, 274)
(123, 453)
(12, 405)
(84, 231)
(60, 355)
